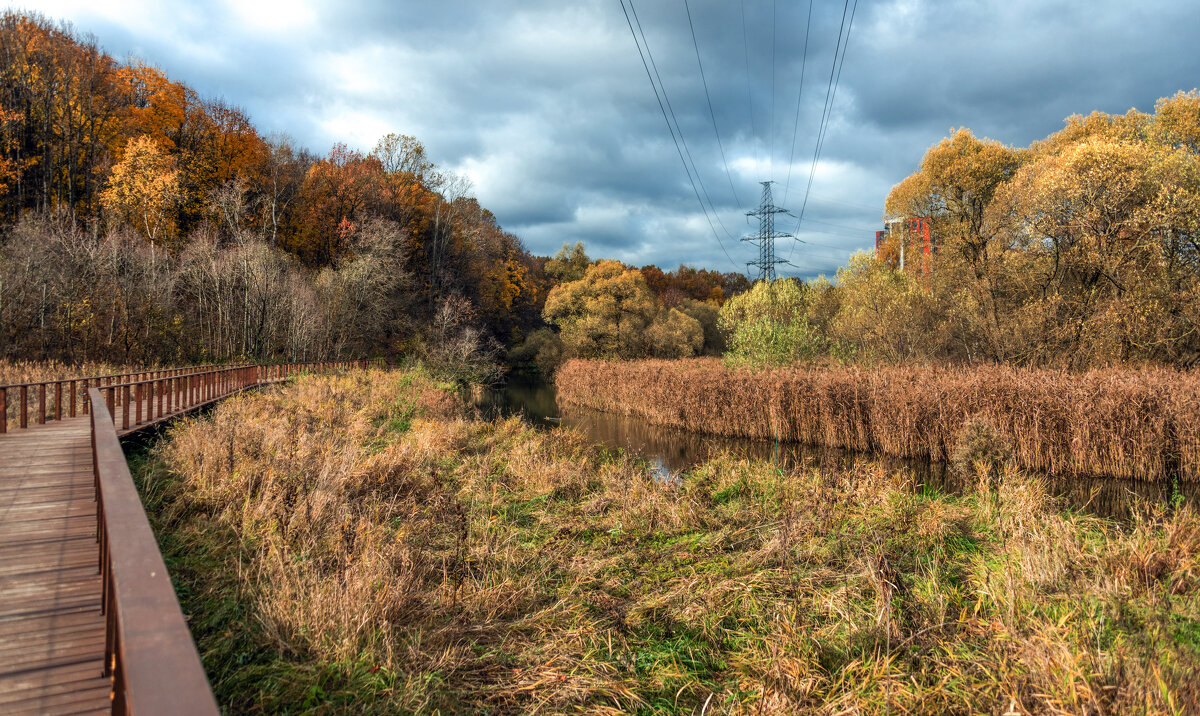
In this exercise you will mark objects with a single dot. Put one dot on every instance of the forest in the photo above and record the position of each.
(145, 224)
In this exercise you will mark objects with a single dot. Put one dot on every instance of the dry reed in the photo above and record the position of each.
(20, 371)
(1133, 423)
(351, 544)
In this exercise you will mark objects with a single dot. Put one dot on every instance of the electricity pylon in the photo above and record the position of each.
(765, 238)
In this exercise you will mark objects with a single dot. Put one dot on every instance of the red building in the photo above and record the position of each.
(913, 234)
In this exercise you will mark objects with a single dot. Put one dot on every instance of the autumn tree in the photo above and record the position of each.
(143, 191)
(337, 192)
(569, 264)
(604, 314)
(674, 334)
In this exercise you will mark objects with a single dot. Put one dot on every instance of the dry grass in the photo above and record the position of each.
(14, 372)
(17, 372)
(351, 544)
(1133, 423)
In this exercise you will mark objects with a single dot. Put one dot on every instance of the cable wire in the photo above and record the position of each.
(771, 128)
(678, 126)
(749, 84)
(830, 93)
(712, 115)
(672, 132)
(796, 125)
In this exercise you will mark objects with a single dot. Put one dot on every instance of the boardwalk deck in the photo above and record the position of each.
(53, 634)
(51, 627)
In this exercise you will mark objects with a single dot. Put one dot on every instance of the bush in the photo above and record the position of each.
(981, 448)
(769, 325)
(541, 352)
(674, 334)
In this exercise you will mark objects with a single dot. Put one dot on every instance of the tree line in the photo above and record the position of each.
(144, 223)
(1081, 250)
(140, 222)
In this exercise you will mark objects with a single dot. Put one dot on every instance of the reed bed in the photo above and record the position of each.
(354, 544)
(20, 371)
(1142, 424)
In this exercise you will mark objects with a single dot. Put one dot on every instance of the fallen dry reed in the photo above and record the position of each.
(1133, 423)
(352, 544)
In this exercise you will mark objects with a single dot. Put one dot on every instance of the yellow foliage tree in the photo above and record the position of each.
(143, 190)
(604, 314)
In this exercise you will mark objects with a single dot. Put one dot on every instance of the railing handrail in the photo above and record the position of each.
(50, 393)
(149, 652)
(191, 368)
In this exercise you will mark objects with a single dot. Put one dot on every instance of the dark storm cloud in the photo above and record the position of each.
(545, 105)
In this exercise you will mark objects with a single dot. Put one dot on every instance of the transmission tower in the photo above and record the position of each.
(765, 238)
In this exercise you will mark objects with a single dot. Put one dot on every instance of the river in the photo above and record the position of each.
(671, 452)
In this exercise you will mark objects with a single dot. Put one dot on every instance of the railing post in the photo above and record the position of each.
(83, 398)
(72, 408)
(125, 406)
(3, 409)
(41, 403)
(24, 421)
(58, 406)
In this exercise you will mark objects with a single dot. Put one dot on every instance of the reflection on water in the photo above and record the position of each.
(672, 451)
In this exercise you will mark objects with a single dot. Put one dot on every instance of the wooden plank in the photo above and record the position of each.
(52, 634)
(51, 628)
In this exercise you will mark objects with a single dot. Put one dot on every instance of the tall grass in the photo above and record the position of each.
(1134, 423)
(20, 371)
(352, 544)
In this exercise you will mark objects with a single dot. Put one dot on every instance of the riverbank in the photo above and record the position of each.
(1136, 424)
(354, 544)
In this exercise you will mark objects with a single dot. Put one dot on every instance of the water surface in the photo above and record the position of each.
(672, 451)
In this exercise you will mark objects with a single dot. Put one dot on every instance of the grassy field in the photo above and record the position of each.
(1131, 423)
(355, 544)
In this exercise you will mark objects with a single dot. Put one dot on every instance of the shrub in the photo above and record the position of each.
(981, 448)
(769, 325)
(674, 334)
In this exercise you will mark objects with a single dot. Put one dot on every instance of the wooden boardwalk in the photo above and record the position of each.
(51, 626)
(52, 630)
(61, 548)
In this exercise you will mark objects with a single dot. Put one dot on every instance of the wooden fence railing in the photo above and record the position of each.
(149, 652)
(39, 402)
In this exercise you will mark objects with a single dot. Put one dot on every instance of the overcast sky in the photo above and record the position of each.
(546, 106)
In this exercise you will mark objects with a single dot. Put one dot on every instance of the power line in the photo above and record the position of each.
(796, 125)
(672, 132)
(749, 94)
(712, 115)
(830, 93)
(678, 126)
(771, 128)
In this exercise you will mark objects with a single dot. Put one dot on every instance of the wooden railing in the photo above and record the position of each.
(148, 650)
(149, 653)
(58, 399)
